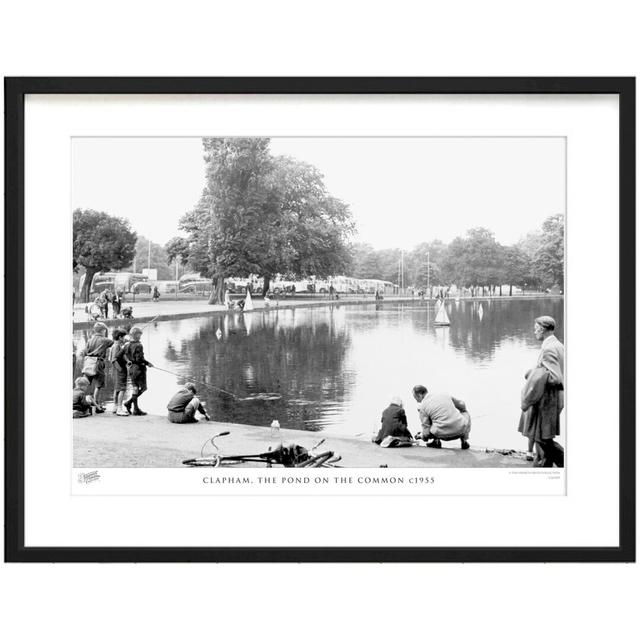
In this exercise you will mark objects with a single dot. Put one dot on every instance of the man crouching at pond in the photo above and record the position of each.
(184, 404)
(442, 417)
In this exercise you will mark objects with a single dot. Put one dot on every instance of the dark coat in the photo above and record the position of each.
(394, 423)
(542, 400)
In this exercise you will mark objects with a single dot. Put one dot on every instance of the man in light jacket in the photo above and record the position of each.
(442, 417)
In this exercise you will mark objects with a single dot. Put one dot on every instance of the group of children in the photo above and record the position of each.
(99, 308)
(126, 354)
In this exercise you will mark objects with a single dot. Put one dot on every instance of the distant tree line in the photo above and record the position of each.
(473, 260)
(266, 215)
(152, 255)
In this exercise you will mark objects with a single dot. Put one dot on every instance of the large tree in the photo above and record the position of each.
(310, 229)
(100, 243)
(475, 259)
(549, 256)
(263, 215)
(227, 222)
(517, 268)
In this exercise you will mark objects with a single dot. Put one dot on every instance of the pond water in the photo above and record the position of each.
(336, 368)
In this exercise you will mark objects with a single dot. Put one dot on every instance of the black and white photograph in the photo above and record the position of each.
(315, 309)
(331, 306)
(347, 302)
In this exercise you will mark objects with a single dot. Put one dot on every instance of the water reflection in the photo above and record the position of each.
(478, 328)
(336, 368)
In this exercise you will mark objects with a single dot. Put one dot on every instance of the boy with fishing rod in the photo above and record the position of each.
(137, 365)
(183, 406)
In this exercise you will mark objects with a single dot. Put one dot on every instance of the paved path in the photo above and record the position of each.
(107, 440)
(173, 309)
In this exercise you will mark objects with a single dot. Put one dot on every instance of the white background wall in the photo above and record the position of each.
(328, 38)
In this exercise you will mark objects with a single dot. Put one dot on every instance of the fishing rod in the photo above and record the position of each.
(148, 323)
(206, 384)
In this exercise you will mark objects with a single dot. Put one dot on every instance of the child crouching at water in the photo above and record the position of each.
(82, 402)
(183, 406)
(394, 431)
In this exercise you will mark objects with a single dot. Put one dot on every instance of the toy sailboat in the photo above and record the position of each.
(248, 302)
(442, 319)
(480, 312)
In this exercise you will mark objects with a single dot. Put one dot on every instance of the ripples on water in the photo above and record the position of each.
(337, 367)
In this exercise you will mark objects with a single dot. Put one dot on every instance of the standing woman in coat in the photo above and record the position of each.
(542, 397)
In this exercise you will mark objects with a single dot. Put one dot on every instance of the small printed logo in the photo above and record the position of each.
(86, 478)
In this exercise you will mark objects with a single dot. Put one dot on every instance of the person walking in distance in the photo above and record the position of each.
(137, 364)
(116, 303)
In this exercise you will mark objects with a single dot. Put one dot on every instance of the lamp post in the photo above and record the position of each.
(429, 274)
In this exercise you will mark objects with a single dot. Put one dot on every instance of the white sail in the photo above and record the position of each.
(442, 318)
(480, 311)
(248, 302)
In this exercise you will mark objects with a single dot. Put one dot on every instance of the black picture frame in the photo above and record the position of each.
(15, 91)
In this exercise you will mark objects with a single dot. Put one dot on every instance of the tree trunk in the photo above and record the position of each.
(86, 286)
(266, 284)
(510, 290)
(217, 291)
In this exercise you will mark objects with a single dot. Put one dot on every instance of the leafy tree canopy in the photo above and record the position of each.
(100, 243)
(264, 215)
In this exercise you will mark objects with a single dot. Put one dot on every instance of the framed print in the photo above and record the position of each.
(320, 319)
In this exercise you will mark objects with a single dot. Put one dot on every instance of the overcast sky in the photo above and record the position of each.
(401, 191)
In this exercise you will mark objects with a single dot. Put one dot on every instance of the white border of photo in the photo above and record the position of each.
(586, 516)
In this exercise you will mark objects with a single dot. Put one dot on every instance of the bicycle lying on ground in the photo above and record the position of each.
(293, 455)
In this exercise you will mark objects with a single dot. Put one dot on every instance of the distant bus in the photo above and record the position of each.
(372, 285)
(123, 281)
(344, 284)
(194, 283)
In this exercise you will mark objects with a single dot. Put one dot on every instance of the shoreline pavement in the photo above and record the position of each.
(147, 310)
(151, 441)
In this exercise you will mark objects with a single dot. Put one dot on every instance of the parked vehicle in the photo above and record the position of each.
(114, 281)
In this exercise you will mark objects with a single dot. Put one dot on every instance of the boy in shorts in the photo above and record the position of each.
(119, 364)
(97, 347)
(134, 354)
